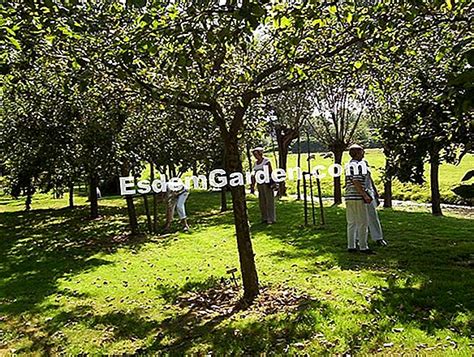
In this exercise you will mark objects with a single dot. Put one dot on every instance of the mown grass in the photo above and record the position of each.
(72, 285)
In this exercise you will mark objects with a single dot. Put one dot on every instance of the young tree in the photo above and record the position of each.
(287, 112)
(340, 105)
(211, 59)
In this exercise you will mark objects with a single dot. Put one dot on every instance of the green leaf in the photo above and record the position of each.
(349, 17)
(10, 31)
(285, 22)
(449, 5)
(14, 42)
(358, 64)
(50, 39)
(75, 65)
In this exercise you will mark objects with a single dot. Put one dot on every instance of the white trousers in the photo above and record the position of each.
(357, 224)
(179, 205)
(375, 228)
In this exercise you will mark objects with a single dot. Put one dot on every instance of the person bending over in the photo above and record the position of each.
(176, 200)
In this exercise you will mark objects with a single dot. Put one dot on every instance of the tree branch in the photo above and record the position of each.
(304, 60)
(154, 91)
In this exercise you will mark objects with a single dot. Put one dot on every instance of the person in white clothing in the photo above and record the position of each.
(266, 197)
(375, 228)
(176, 200)
(357, 199)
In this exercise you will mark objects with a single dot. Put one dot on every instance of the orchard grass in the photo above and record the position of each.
(73, 285)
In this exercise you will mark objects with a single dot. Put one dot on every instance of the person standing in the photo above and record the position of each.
(266, 198)
(357, 200)
(375, 228)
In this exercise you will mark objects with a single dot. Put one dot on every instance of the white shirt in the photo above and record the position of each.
(259, 167)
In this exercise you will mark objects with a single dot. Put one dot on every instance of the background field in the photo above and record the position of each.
(450, 176)
(71, 285)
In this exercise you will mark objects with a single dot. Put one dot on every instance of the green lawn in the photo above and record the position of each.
(71, 285)
(450, 176)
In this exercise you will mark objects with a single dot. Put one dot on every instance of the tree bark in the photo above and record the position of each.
(338, 152)
(388, 179)
(71, 195)
(387, 187)
(132, 213)
(387, 194)
(298, 182)
(29, 198)
(249, 158)
(223, 199)
(283, 161)
(94, 207)
(434, 181)
(284, 138)
(242, 229)
(155, 200)
(148, 216)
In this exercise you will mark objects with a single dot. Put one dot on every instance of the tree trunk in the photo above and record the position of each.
(284, 138)
(298, 182)
(224, 199)
(388, 178)
(244, 243)
(338, 152)
(155, 200)
(132, 213)
(71, 195)
(434, 180)
(94, 207)
(148, 216)
(387, 187)
(249, 158)
(29, 198)
(283, 161)
(387, 194)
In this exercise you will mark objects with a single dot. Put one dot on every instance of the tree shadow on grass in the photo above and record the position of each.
(428, 265)
(171, 293)
(189, 328)
(111, 327)
(39, 247)
(239, 330)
